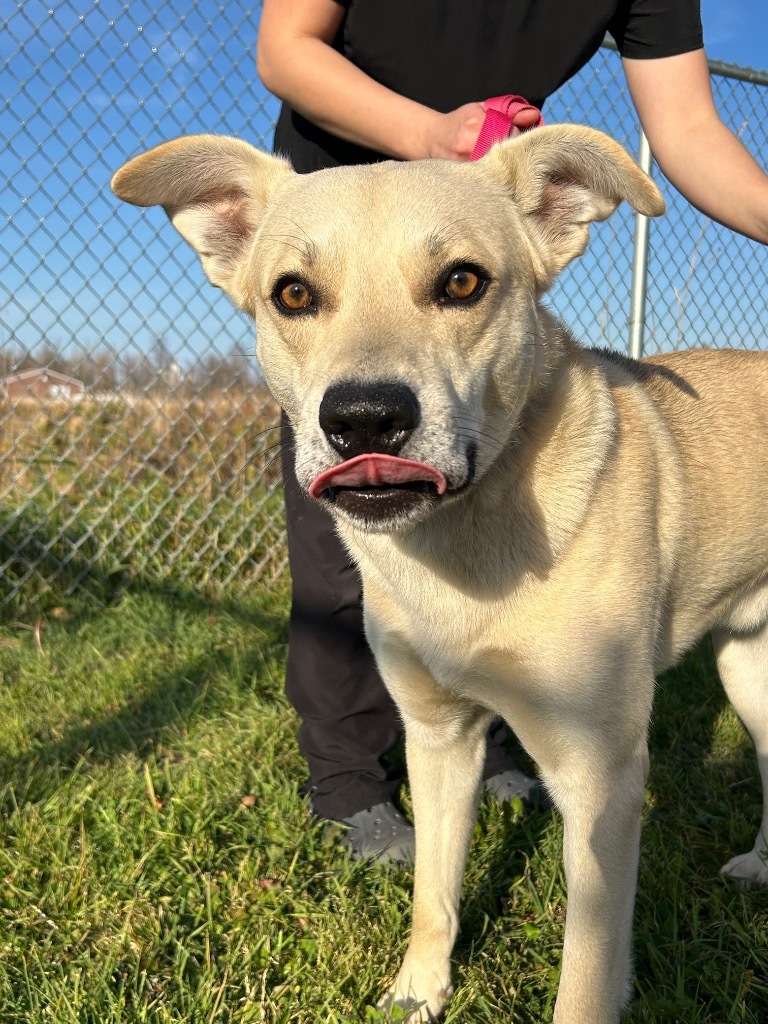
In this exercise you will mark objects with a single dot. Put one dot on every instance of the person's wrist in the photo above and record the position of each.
(420, 141)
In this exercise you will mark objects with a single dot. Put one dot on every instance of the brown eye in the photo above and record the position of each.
(463, 284)
(293, 296)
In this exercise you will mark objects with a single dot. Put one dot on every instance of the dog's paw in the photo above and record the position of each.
(748, 870)
(416, 997)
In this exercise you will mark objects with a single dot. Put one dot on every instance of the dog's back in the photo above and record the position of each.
(712, 459)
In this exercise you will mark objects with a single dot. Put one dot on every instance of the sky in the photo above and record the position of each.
(736, 32)
(84, 84)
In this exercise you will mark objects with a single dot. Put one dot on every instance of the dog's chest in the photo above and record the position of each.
(453, 634)
(450, 636)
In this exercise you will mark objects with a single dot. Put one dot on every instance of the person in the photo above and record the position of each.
(363, 81)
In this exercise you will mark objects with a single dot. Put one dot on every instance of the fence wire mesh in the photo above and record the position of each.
(137, 436)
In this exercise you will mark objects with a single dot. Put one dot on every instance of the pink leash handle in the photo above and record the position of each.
(499, 113)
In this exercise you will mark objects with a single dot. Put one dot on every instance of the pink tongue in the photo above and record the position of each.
(376, 470)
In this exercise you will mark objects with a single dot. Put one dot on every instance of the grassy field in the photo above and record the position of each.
(157, 863)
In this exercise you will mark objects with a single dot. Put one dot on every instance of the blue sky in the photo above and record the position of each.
(736, 31)
(86, 83)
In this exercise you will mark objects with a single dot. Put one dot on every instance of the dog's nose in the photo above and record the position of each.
(376, 417)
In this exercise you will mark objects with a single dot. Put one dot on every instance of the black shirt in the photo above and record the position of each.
(444, 53)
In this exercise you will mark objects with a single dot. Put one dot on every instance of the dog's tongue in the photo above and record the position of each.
(377, 470)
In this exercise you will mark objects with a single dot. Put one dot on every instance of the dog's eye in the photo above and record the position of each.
(291, 295)
(464, 283)
(461, 284)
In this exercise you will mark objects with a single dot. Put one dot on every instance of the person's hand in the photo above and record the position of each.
(452, 136)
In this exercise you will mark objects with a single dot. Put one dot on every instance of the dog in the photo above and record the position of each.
(540, 528)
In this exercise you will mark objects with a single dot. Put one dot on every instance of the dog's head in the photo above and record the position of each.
(395, 304)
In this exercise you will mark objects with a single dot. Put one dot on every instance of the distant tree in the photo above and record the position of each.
(11, 359)
(136, 372)
(219, 372)
(48, 356)
(161, 357)
(245, 369)
(16, 358)
(97, 369)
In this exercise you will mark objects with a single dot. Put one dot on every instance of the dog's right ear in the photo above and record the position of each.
(214, 189)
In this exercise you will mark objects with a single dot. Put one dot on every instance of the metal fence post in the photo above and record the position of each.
(640, 264)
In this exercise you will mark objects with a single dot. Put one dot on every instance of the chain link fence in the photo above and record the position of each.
(137, 437)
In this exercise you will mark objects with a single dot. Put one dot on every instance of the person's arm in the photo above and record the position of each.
(701, 157)
(297, 62)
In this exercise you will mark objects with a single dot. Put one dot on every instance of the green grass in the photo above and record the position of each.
(157, 863)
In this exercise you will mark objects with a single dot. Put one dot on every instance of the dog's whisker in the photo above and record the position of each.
(250, 438)
(264, 437)
(467, 428)
(271, 462)
(278, 446)
(300, 246)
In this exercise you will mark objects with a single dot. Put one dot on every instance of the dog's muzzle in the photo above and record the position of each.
(369, 424)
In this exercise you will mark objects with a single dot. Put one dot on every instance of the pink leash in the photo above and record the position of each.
(499, 112)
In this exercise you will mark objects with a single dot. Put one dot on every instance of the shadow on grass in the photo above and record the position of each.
(34, 549)
(90, 590)
(168, 699)
(84, 565)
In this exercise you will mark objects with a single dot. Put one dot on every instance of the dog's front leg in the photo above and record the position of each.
(601, 801)
(445, 747)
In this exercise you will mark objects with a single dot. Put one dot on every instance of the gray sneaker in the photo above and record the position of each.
(379, 833)
(514, 783)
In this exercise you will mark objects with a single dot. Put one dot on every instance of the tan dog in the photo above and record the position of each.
(540, 528)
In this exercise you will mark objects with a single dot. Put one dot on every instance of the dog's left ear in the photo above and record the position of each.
(214, 189)
(563, 177)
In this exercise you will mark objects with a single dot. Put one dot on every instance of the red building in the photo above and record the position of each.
(42, 384)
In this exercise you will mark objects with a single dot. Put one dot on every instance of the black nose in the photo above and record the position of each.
(376, 417)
